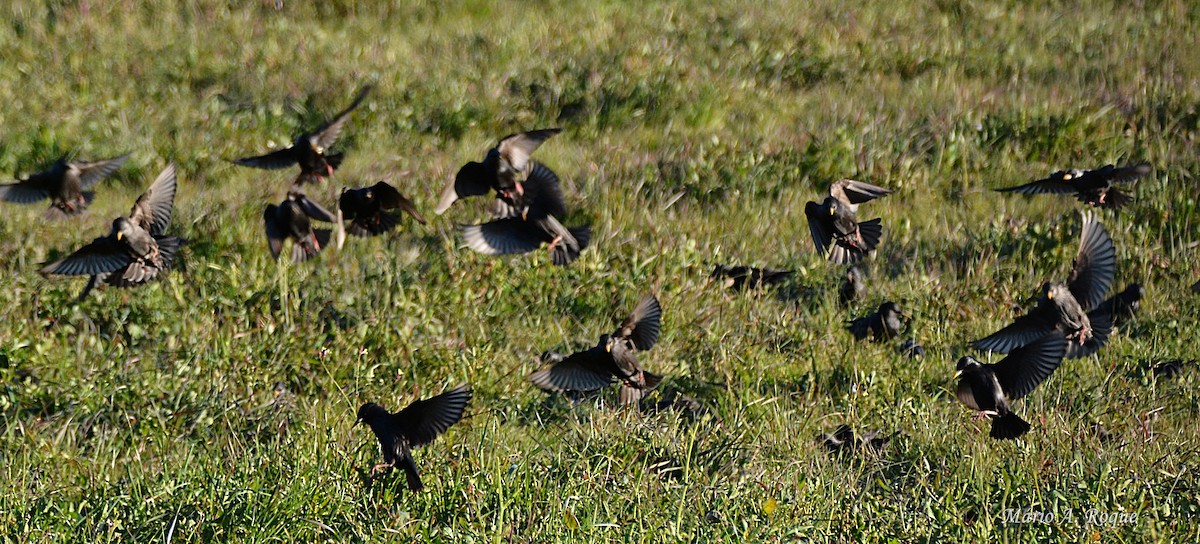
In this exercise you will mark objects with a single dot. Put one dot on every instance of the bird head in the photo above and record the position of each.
(891, 308)
(122, 228)
(370, 413)
(1136, 291)
(966, 364)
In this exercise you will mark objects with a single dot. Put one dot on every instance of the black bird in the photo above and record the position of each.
(367, 209)
(845, 441)
(531, 220)
(853, 287)
(911, 348)
(311, 150)
(1094, 187)
(414, 426)
(290, 219)
(746, 277)
(614, 357)
(835, 229)
(65, 183)
(136, 250)
(884, 324)
(1122, 306)
(989, 388)
(504, 170)
(1073, 308)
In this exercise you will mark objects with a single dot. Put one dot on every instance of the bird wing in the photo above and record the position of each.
(424, 420)
(27, 191)
(643, 323)
(1023, 330)
(391, 198)
(1123, 174)
(101, 256)
(1025, 368)
(328, 134)
(313, 210)
(517, 148)
(821, 236)
(581, 371)
(1050, 185)
(275, 233)
(543, 193)
(471, 180)
(274, 160)
(1095, 265)
(856, 192)
(152, 211)
(502, 237)
(92, 172)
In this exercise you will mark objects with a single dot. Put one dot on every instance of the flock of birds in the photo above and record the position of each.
(1071, 319)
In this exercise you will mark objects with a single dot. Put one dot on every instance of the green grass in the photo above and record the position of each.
(217, 405)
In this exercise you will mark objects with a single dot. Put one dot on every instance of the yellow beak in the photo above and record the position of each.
(120, 235)
(1050, 294)
(608, 348)
(957, 374)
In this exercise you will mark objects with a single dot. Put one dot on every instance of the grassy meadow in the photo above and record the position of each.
(218, 405)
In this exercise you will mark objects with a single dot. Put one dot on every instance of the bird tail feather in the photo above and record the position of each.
(1008, 427)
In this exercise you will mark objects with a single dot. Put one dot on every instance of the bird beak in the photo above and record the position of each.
(608, 348)
(357, 422)
(120, 235)
(1050, 294)
(957, 374)
(525, 214)
(830, 211)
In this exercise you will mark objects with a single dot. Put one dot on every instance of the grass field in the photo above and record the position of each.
(218, 405)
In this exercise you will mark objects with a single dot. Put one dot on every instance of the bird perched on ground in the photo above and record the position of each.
(310, 150)
(845, 441)
(882, 325)
(504, 170)
(1122, 306)
(532, 219)
(65, 183)
(990, 388)
(1094, 187)
(291, 220)
(614, 357)
(136, 250)
(834, 227)
(853, 287)
(911, 348)
(367, 209)
(1073, 308)
(414, 426)
(746, 277)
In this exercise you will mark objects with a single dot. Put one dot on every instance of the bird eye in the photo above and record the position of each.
(1067, 176)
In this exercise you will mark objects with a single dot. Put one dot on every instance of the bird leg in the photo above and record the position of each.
(554, 243)
(984, 414)
(380, 469)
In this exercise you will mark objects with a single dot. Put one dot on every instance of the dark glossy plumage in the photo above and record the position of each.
(533, 223)
(1093, 187)
(310, 150)
(1124, 305)
(136, 250)
(613, 358)
(746, 277)
(291, 220)
(414, 426)
(1073, 308)
(65, 183)
(990, 388)
(505, 169)
(368, 209)
(834, 226)
(885, 324)
(912, 349)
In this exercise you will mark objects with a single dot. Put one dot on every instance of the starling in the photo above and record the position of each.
(533, 221)
(854, 286)
(504, 169)
(989, 388)
(882, 325)
(367, 209)
(1073, 308)
(310, 150)
(414, 426)
(614, 357)
(1094, 187)
(835, 229)
(912, 349)
(1170, 368)
(845, 441)
(745, 277)
(290, 219)
(65, 183)
(136, 250)
(1122, 306)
